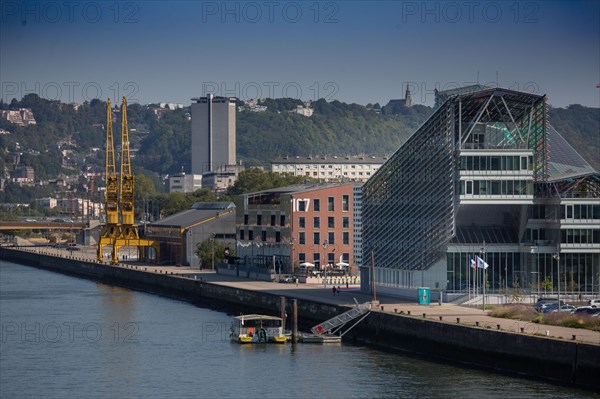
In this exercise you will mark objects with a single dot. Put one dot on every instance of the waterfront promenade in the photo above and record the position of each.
(444, 313)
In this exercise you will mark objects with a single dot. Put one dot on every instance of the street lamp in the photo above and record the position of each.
(213, 251)
(324, 265)
(482, 253)
(557, 257)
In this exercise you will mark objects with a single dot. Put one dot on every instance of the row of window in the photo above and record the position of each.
(316, 258)
(316, 166)
(330, 238)
(580, 211)
(259, 220)
(496, 187)
(263, 235)
(332, 174)
(580, 236)
(301, 237)
(303, 205)
(496, 162)
(330, 222)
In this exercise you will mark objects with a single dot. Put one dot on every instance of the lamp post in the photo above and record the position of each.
(213, 251)
(557, 257)
(482, 253)
(324, 265)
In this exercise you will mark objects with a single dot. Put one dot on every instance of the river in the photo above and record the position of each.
(63, 336)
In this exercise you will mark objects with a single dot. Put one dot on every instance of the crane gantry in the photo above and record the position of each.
(120, 229)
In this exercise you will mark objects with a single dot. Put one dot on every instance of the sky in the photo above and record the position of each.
(351, 51)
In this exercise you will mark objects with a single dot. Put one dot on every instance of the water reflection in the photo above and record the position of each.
(181, 350)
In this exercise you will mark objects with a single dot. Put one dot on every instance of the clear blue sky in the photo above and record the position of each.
(352, 51)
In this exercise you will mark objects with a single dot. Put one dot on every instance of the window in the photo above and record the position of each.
(272, 220)
(282, 220)
(317, 204)
(523, 163)
(345, 203)
(316, 238)
(241, 234)
(302, 238)
(346, 222)
(277, 236)
(263, 235)
(569, 211)
(316, 222)
(345, 238)
(331, 204)
(331, 238)
(302, 222)
(259, 220)
(250, 235)
(346, 257)
(301, 206)
(469, 187)
(331, 222)
(301, 257)
(246, 219)
(317, 259)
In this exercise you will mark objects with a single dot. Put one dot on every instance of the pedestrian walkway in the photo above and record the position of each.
(445, 313)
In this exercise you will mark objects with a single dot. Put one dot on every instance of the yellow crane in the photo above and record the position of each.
(120, 198)
(111, 230)
(128, 230)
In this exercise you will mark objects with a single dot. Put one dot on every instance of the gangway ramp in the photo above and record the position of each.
(334, 324)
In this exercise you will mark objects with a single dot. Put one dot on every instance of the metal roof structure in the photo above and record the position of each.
(564, 161)
(198, 213)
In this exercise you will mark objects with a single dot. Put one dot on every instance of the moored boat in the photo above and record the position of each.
(256, 328)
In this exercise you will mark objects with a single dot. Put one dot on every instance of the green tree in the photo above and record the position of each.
(173, 203)
(252, 180)
(210, 248)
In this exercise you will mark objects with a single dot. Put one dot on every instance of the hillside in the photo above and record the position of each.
(163, 145)
(581, 127)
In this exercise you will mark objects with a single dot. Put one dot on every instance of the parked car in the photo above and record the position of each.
(587, 310)
(595, 303)
(563, 308)
(287, 278)
(542, 303)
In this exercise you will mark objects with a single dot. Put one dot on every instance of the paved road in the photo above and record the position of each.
(449, 313)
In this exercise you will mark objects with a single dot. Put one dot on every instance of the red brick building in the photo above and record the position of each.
(285, 227)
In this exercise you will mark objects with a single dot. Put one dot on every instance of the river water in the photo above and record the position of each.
(63, 336)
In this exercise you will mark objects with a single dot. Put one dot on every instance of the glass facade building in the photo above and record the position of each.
(486, 176)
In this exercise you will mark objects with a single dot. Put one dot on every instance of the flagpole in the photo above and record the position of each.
(483, 259)
(469, 280)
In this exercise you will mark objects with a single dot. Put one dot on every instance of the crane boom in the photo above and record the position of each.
(127, 215)
(112, 188)
(111, 229)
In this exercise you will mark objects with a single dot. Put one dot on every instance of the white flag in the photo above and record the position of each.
(481, 264)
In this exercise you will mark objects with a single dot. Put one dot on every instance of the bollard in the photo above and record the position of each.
(477, 323)
(440, 318)
(547, 333)
(382, 308)
(522, 329)
(458, 320)
(395, 310)
(497, 326)
(574, 337)
(408, 312)
(424, 315)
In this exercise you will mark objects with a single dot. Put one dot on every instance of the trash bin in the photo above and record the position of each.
(424, 296)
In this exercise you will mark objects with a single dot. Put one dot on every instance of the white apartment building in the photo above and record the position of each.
(328, 168)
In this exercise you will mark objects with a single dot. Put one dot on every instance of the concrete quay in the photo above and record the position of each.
(463, 335)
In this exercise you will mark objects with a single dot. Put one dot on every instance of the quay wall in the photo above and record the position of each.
(563, 361)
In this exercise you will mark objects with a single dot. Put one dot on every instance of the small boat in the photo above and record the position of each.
(255, 328)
